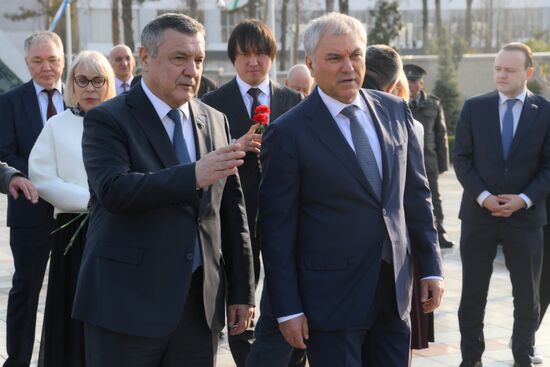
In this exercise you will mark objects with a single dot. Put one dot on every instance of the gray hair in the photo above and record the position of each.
(334, 24)
(41, 36)
(152, 34)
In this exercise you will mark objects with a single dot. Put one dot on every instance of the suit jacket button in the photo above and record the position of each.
(189, 256)
(383, 211)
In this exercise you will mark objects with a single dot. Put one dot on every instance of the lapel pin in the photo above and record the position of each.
(200, 124)
(534, 106)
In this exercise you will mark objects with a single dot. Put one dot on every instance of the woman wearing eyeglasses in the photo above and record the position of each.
(57, 170)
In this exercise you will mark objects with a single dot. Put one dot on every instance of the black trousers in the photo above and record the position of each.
(523, 257)
(191, 344)
(545, 274)
(384, 342)
(30, 248)
(433, 178)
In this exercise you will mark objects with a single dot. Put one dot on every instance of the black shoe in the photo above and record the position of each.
(471, 364)
(523, 365)
(445, 243)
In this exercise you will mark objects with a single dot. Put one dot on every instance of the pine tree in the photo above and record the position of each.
(387, 23)
(446, 86)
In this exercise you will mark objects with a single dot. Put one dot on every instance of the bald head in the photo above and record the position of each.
(123, 62)
(299, 79)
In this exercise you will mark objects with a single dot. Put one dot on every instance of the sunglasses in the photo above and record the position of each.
(83, 82)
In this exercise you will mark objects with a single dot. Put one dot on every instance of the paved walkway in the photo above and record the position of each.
(445, 352)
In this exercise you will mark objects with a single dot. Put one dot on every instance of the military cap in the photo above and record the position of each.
(414, 72)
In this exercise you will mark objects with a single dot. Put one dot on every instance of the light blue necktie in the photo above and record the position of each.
(367, 162)
(182, 153)
(508, 127)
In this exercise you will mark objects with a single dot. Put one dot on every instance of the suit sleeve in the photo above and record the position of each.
(236, 247)
(118, 188)
(6, 173)
(539, 186)
(279, 191)
(418, 207)
(8, 143)
(463, 155)
(442, 144)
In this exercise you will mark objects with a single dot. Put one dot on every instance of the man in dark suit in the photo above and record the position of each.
(344, 202)
(251, 48)
(502, 160)
(167, 234)
(426, 108)
(25, 110)
(13, 182)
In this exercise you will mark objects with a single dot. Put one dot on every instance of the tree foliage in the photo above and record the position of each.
(387, 23)
(446, 85)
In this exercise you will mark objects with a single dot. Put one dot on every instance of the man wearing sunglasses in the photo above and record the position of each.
(25, 110)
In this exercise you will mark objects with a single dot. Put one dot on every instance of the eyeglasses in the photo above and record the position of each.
(83, 82)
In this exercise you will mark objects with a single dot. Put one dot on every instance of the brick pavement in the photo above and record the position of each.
(444, 352)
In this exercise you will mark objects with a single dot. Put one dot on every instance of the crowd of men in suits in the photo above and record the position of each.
(336, 196)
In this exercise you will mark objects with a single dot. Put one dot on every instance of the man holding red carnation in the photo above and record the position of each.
(250, 101)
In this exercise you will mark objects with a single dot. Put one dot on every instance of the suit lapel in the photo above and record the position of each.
(235, 104)
(146, 116)
(330, 135)
(494, 135)
(526, 119)
(382, 125)
(201, 129)
(30, 100)
(277, 101)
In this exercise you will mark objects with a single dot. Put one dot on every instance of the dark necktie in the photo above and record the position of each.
(254, 93)
(367, 162)
(508, 127)
(51, 111)
(180, 147)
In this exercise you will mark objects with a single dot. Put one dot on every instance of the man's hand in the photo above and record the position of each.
(493, 203)
(510, 204)
(218, 164)
(431, 292)
(20, 183)
(238, 318)
(295, 331)
(251, 142)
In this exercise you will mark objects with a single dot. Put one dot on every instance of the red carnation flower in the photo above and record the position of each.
(262, 109)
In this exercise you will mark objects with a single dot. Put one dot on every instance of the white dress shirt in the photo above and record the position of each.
(162, 110)
(56, 166)
(42, 97)
(516, 112)
(119, 85)
(264, 98)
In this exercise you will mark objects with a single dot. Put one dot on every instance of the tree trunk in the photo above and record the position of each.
(127, 23)
(344, 6)
(115, 21)
(75, 34)
(425, 22)
(438, 21)
(284, 23)
(296, 42)
(468, 30)
(193, 7)
(253, 8)
(330, 5)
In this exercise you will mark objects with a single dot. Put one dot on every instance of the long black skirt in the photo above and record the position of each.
(62, 343)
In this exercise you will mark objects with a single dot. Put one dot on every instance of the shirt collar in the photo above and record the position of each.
(161, 107)
(38, 88)
(521, 97)
(335, 107)
(118, 82)
(244, 87)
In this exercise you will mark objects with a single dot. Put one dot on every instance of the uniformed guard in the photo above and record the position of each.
(427, 109)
